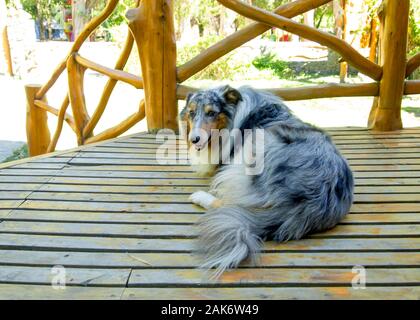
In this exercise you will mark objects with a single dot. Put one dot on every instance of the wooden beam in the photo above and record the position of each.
(153, 29)
(387, 116)
(242, 36)
(330, 90)
(349, 54)
(68, 118)
(412, 87)
(412, 64)
(37, 131)
(119, 75)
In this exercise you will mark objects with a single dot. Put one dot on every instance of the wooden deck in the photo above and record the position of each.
(121, 225)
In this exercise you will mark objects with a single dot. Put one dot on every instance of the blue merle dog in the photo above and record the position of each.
(305, 186)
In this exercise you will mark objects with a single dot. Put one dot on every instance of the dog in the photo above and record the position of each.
(305, 185)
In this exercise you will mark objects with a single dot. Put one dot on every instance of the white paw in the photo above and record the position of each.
(203, 199)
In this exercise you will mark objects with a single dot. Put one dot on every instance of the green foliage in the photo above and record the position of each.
(227, 67)
(42, 9)
(19, 153)
(268, 60)
(414, 31)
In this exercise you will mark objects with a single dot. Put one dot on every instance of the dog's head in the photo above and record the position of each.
(208, 110)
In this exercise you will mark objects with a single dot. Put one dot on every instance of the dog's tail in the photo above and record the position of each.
(227, 236)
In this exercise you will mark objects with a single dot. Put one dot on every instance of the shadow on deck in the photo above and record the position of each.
(121, 225)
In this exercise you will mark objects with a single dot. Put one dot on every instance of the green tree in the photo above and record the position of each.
(43, 11)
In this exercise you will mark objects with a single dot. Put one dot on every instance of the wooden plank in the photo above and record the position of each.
(23, 179)
(27, 173)
(328, 293)
(385, 207)
(188, 260)
(377, 151)
(139, 151)
(75, 243)
(386, 174)
(128, 181)
(14, 195)
(100, 197)
(187, 207)
(384, 155)
(387, 181)
(363, 130)
(32, 292)
(119, 217)
(152, 161)
(401, 230)
(177, 189)
(120, 167)
(378, 135)
(39, 165)
(388, 197)
(104, 174)
(385, 189)
(271, 277)
(112, 206)
(185, 231)
(4, 213)
(72, 276)
(384, 161)
(19, 186)
(103, 229)
(134, 189)
(384, 168)
(47, 214)
(10, 204)
(119, 155)
(384, 141)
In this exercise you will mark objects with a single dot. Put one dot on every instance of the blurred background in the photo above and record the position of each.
(39, 34)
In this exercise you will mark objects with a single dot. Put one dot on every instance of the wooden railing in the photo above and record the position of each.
(152, 28)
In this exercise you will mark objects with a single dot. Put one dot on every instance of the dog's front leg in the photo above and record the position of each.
(205, 200)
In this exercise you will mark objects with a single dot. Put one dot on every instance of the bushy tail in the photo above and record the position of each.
(227, 236)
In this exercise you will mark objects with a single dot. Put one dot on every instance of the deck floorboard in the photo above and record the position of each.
(120, 222)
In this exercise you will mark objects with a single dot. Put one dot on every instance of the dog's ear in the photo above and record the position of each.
(188, 98)
(231, 95)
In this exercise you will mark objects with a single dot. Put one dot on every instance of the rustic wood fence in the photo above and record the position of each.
(152, 29)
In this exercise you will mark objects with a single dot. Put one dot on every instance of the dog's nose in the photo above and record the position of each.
(195, 139)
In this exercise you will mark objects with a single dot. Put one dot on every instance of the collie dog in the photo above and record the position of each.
(298, 182)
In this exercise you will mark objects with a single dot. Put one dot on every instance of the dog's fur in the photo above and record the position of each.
(306, 185)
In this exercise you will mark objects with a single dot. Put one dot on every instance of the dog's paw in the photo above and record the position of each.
(203, 199)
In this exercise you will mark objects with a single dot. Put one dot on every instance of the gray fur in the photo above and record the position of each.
(306, 185)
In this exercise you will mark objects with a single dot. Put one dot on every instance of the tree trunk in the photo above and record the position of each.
(339, 8)
(80, 16)
(5, 37)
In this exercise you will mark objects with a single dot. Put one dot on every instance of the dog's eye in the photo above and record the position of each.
(211, 113)
(192, 114)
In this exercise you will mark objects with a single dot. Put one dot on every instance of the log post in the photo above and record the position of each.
(386, 116)
(152, 27)
(37, 131)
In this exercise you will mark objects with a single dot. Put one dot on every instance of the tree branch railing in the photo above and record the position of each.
(152, 29)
